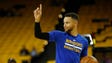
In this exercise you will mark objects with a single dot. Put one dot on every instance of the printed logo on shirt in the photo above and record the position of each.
(74, 40)
(73, 45)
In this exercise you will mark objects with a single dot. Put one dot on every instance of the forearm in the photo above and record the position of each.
(38, 33)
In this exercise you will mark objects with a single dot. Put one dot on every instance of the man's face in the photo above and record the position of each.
(69, 24)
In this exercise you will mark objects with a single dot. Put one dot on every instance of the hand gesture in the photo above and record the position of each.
(38, 13)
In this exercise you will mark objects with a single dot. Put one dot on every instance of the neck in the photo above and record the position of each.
(74, 32)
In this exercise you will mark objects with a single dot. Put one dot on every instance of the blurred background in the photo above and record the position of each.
(17, 41)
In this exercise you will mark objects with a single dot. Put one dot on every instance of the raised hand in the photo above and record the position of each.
(38, 13)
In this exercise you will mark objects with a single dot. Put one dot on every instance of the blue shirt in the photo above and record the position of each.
(69, 48)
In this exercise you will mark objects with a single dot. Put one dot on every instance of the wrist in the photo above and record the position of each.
(37, 21)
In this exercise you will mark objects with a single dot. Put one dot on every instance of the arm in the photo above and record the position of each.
(85, 49)
(38, 33)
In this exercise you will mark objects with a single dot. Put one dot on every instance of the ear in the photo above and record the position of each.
(75, 22)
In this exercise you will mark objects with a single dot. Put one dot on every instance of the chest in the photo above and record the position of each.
(71, 44)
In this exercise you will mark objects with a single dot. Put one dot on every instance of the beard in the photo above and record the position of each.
(68, 31)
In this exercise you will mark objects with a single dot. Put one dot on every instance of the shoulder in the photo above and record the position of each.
(84, 41)
(57, 32)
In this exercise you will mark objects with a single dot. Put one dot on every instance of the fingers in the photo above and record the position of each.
(40, 7)
(38, 10)
(34, 12)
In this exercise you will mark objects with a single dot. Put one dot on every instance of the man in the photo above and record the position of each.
(70, 46)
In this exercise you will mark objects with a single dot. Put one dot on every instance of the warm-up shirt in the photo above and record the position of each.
(69, 48)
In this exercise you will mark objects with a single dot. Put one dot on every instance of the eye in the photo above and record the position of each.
(67, 22)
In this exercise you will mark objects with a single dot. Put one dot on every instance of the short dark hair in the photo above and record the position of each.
(72, 15)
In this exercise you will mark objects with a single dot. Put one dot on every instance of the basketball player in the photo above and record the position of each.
(70, 45)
